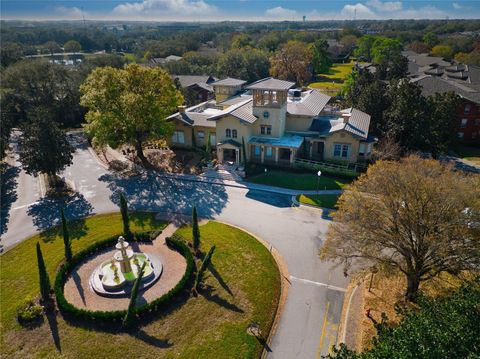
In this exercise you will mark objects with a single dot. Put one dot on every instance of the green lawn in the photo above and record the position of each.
(130, 57)
(299, 181)
(469, 153)
(319, 200)
(333, 80)
(211, 326)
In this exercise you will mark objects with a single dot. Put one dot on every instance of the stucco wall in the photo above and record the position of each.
(298, 123)
(341, 137)
(201, 142)
(232, 123)
(187, 130)
(276, 119)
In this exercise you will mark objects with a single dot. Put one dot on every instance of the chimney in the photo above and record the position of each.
(181, 109)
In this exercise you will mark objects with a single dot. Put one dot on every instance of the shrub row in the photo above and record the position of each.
(107, 318)
(147, 236)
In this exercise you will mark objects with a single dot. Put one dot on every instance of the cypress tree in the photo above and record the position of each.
(129, 319)
(44, 281)
(195, 231)
(203, 267)
(208, 147)
(124, 209)
(66, 238)
(244, 150)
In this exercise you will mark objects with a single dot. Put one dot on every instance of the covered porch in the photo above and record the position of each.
(276, 151)
(229, 152)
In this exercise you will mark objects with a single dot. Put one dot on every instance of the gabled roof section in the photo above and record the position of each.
(310, 104)
(190, 80)
(229, 81)
(195, 115)
(241, 110)
(351, 120)
(270, 83)
(432, 85)
(358, 123)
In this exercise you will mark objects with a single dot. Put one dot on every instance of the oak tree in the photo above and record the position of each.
(416, 215)
(292, 62)
(129, 105)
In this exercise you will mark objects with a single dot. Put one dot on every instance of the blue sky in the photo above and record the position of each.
(217, 10)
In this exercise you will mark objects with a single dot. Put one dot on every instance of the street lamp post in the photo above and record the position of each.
(319, 173)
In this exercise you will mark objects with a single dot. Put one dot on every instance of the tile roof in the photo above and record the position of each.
(241, 110)
(189, 80)
(310, 105)
(432, 85)
(356, 122)
(270, 83)
(234, 100)
(229, 82)
(192, 117)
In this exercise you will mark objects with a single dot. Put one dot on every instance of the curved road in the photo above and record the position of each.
(309, 323)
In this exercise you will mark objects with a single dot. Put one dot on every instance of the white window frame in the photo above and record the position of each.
(213, 139)
(362, 149)
(201, 134)
(178, 137)
(341, 147)
(269, 152)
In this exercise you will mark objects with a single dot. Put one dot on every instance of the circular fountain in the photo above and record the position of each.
(115, 277)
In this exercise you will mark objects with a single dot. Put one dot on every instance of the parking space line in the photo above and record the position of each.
(307, 281)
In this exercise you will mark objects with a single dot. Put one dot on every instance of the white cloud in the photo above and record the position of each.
(164, 9)
(280, 13)
(360, 11)
(385, 6)
(375, 9)
(457, 6)
(69, 12)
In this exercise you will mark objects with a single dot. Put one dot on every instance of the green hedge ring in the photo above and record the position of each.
(115, 317)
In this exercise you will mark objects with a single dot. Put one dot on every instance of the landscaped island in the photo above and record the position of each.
(241, 286)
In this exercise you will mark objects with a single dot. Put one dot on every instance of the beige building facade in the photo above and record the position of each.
(270, 123)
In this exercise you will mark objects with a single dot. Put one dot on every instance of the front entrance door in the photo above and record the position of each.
(320, 149)
(229, 155)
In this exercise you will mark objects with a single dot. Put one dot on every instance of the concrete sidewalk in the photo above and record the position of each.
(244, 185)
(222, 182)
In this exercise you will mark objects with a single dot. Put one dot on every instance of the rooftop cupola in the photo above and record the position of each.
(270, 92)
(227, 88)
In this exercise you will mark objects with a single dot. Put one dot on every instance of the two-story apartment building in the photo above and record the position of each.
(277, 125)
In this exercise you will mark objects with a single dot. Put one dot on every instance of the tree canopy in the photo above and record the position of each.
(44, 148)
(72, 46)
(129, 105)
(416, 215)
(292, 62)
(445, 327)
(32, 84)
(320, 57)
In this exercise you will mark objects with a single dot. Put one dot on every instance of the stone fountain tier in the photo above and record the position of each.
(124, 290)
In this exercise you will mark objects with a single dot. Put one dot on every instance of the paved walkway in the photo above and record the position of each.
(80, 294)
(218, 180)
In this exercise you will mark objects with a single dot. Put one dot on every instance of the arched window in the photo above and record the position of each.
(228, 133)
(234, 133)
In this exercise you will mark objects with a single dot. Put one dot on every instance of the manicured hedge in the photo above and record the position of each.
(107, 318)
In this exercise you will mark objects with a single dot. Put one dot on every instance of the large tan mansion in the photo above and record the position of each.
(277, 124)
